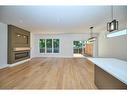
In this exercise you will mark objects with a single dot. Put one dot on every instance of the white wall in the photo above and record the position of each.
(3, 45)
(66, 44)
(115, 47)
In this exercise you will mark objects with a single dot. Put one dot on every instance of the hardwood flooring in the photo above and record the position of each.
(49, 73)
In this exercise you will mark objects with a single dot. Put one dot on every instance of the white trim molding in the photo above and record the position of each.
(20, 62)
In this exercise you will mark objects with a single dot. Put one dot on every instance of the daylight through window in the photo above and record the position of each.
(49, 45)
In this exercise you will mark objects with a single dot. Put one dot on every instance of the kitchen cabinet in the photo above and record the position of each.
(89, 49)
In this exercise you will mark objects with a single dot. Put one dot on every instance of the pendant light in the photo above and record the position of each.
(113, 25)
(92, 38)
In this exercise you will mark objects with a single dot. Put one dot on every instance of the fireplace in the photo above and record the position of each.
(21, 53)
(18, 44)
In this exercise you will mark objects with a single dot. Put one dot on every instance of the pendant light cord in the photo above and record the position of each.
(91, 31)
(112, 12)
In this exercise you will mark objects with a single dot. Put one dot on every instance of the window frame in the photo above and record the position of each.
(53, 45)
(44, 45)
(52, 52)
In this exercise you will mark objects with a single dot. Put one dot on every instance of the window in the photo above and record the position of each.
(78, 46)
(42, 45)
(118, 33)
(49, 45)
(56, 45)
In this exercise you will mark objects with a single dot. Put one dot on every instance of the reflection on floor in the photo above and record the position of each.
(78, 55)
(49, 73)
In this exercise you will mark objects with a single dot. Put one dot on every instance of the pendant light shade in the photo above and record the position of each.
(92, 38)
(113, 25)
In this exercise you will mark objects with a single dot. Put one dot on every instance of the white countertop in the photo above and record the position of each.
(115, 67)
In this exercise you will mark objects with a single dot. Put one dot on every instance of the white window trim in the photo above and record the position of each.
(52, 47)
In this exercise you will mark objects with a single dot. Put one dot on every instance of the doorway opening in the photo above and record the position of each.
(78, 48)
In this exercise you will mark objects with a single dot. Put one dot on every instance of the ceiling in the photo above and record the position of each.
(57, 19)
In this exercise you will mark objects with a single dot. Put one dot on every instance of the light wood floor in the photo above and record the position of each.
(49, 73)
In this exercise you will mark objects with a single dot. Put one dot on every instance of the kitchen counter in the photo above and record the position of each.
(115, 67)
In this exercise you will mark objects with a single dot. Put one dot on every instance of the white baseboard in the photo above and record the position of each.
(1, 67)
(54, 56)
(20, 62)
